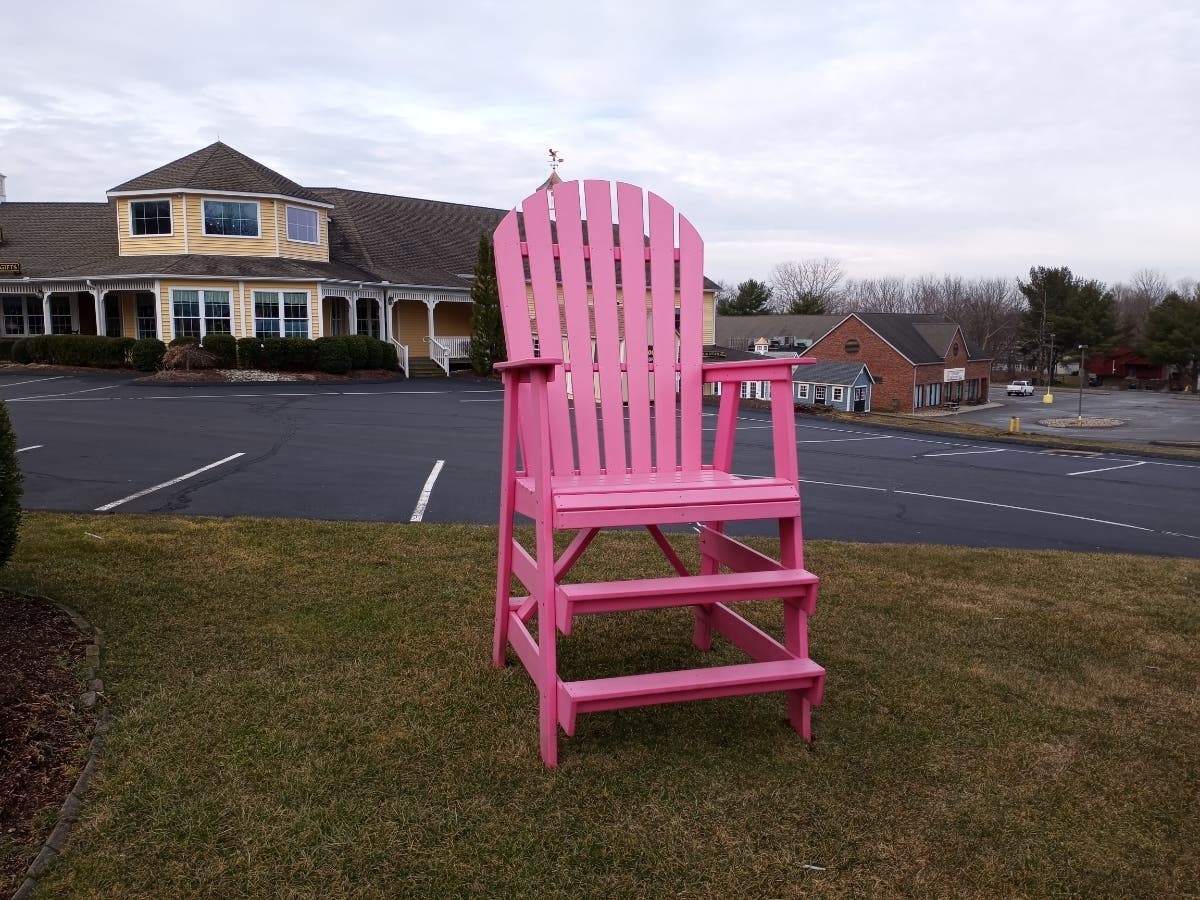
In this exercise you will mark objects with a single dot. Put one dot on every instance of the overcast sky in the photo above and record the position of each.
(978, 138)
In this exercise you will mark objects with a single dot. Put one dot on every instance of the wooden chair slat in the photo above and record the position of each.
(569, 225)
(547, 312)
(631, 235)
(691, 344)
(606, 311)
(662, 304)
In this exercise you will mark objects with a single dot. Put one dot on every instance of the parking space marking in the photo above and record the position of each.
(107, 387)
(33, 381)
(158, 487)
(30, 447)
(961, 453)
(1043, 512)
(1109, 469)
(418, 512)
(882, 437)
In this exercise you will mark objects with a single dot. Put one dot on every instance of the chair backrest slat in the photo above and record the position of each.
(662, 304)
(632, 237)
(598, 200)
(691, 345)
(617, 322)
(548, 315)
(569, 220)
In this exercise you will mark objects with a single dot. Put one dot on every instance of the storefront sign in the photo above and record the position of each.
(10, 268)
(955, 375)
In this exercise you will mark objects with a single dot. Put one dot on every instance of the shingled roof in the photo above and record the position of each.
(405, 240)
(48, 237)
(825, 372)
(218, 168)
(922, 338)
(740, 330)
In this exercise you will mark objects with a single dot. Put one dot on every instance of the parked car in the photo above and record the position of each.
(1095, 381)
(1019, 389)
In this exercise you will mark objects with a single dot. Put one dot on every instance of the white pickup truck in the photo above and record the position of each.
(1020, 389)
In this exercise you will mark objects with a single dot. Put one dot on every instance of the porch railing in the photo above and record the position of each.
(440, 354)
(458, 346)
(402, 355)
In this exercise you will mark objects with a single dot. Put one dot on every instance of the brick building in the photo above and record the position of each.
(918, 360)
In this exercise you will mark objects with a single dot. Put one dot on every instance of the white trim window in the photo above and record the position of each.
(303, 225)
(61, 320)
(801, 391)
(281, 314)
(819, 394)
(145, 312)
(839, 394)
(150, 218)
(198, 313)
(23, 315)
(231, 218)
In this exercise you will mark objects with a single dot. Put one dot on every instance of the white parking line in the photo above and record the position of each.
(882, 437)
(961, 453)
(158, 487)
(1044, 512)
(423, 501)
(30, 447)
(33, 381)
(857, 487)
(1109, 469)
(107, 387)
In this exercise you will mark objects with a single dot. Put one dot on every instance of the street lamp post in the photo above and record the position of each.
(1082, 375)
(1048, 397)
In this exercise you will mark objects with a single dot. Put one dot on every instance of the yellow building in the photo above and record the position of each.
(216, 242)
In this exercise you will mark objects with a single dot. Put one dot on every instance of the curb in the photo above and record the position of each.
(68, 813)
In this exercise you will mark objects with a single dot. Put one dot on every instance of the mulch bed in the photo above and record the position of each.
(43, 737)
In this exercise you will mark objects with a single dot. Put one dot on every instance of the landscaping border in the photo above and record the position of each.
(68, 813)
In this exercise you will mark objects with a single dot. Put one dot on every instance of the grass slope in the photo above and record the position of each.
(307, 710)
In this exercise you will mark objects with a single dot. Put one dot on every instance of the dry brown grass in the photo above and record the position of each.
(307, 710)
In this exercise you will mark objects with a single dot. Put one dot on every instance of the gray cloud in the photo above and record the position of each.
(902, 137)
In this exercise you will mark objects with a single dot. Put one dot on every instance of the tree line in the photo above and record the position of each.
(1011, 320)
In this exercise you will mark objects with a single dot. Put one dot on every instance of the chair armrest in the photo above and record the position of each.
(752, 369)
(529, 363)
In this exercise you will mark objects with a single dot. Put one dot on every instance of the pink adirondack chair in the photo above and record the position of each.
(633, 337)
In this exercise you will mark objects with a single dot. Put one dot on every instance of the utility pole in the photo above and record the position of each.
(1049, 397)
(1082, 376)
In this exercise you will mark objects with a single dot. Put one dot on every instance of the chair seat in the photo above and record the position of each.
(661, 498)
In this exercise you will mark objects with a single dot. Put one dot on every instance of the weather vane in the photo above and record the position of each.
(555, 159)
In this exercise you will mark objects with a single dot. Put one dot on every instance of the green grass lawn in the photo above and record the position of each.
(308, 710)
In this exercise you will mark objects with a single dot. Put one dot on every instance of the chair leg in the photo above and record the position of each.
(547, 647)
(795, 627)
(702, 627)
(503, 587)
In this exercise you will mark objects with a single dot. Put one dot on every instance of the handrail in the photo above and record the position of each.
(401, 355)
(440, 354)
(459, 346)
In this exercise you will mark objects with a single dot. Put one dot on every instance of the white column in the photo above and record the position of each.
(382, 319)
(352, 315)
(429, 305)
(46, 312)
(101, 318)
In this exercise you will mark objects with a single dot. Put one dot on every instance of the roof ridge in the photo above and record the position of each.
(406, 197)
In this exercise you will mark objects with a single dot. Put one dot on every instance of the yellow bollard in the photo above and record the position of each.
(1014, 424)
(1048, 398)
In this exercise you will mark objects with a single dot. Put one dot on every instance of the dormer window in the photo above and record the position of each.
(302, 225)
(149, 218)
(231, 218)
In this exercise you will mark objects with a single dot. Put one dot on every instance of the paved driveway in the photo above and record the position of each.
(429, 451)
(1148, 415)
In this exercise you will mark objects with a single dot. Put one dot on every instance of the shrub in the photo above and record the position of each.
(10, 488)
(147, 354)
(333, 356)
(359, 346)
(181, 341)
(187, 357)
(250, 353)
(6, 347)
(275, 353)
(302, 354)
(375, 354)
(20, 351)
(224, 348)
(72, 350)
(391, 359)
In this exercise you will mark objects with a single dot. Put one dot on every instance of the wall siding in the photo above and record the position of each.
(895, 393)
(314, 306)
(295, 250)
(198, 242)
(127, 245)
(411, 326)
(452, 319)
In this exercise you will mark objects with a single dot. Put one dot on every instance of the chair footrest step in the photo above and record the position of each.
(654, 593)
(692, 684)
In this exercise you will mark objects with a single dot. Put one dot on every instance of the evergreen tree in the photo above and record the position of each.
(807, 305)
(1173, 335)
(487, 329)
(753, 298)
(1074, 311)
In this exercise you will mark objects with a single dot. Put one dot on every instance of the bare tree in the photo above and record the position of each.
(886, 294)
(808, 285)
(1145, 290)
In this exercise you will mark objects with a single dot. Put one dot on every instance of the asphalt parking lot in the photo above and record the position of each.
(1148, 415)
(428, 451)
